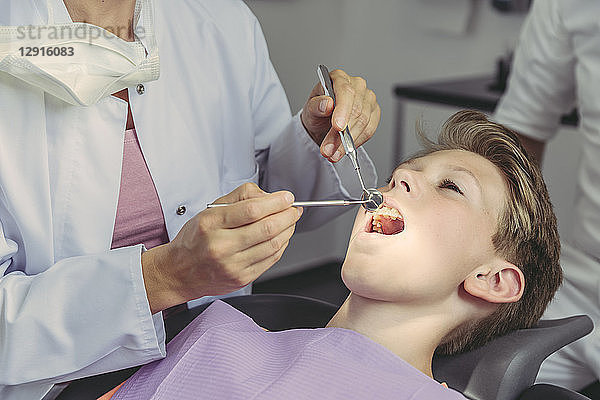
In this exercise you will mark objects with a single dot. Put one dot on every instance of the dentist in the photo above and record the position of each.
(109, 152)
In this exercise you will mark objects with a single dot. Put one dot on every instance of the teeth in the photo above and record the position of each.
(388, 212)
(377, 227)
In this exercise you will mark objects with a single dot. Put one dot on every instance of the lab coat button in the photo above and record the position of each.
(181, 210)
(141, 89)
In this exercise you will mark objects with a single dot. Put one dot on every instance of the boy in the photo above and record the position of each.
(464, 249)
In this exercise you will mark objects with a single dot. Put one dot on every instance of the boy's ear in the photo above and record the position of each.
(502, 282)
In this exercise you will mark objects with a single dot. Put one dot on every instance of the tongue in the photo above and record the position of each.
(391, 226)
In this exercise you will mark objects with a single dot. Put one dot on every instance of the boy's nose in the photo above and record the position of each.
(408, 183)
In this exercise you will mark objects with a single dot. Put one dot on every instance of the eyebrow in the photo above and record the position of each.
(459, 168)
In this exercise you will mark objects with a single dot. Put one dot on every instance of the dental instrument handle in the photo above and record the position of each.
(347, 141)
(321, 203)
(351, 153)
(315, 203)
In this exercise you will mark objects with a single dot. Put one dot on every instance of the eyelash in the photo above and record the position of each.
(448, 184)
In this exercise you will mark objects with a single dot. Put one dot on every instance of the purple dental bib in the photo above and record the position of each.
(223, 354)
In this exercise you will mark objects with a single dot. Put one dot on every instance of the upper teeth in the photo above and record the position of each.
(388, 211)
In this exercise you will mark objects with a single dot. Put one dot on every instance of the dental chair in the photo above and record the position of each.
(504, 369)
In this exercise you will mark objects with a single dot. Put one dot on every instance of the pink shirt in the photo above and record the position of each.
(139, 214)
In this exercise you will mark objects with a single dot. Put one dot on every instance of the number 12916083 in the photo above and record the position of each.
(52, 51)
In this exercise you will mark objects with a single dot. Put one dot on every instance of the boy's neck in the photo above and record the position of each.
(407, 332)
(115, 16)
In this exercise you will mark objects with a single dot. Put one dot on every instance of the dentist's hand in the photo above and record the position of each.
(356, 107)
(221, 249)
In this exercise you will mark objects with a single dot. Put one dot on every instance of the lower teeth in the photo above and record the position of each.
(392, 225)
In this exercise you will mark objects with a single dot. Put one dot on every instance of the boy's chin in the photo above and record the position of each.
(370, 255)
(359, 262)
(362, 275)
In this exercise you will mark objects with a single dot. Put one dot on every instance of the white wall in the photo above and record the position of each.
(388, 42)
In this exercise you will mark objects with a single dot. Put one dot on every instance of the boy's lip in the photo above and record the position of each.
(387, 201)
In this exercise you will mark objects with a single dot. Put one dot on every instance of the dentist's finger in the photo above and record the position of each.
(360, 105)
(369, 130)
(320, 107)
(256, 270)
(263, 250)
(360, 116)
(345, 94)
(268, 228)
(248, 190)
(316, 117)
(248, 211)
(331, 143)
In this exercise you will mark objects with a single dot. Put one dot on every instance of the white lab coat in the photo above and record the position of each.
(216, 118)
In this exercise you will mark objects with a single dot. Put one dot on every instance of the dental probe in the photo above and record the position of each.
(372, 197)
(316, 203)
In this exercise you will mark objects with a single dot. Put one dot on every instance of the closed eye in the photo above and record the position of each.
(448, 184)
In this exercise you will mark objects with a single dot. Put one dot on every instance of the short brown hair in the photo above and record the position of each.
(527, 233)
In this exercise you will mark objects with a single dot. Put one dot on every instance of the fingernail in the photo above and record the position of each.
(323, 105)
(328, 150)
(337, 156)
(340, 122)
(289, 197)
(300, 211)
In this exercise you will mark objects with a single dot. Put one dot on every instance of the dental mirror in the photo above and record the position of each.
(374, 197)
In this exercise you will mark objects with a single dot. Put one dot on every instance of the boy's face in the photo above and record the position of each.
(450, 202)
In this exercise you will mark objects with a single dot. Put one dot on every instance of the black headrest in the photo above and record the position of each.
(274, 312)
(505, 367)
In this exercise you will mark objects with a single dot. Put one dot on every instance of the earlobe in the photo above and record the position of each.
(503, 284)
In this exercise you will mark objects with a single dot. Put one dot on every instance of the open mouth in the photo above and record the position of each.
(386, 221)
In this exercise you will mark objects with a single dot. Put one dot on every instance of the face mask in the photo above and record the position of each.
(78, 62)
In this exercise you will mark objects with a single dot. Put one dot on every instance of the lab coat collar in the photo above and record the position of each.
(59, 12)
(54, 12)
(144, 22)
